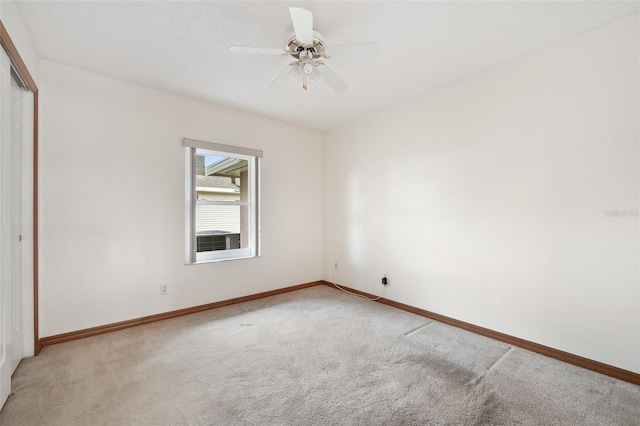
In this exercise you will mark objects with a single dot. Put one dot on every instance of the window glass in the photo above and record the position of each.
(223, 211)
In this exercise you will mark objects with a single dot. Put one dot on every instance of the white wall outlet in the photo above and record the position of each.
(164, 289)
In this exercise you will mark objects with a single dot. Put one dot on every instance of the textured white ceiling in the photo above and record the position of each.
(181, 46)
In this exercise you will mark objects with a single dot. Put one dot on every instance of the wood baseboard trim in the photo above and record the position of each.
(589, 364)
(121, 325)
(567, 357)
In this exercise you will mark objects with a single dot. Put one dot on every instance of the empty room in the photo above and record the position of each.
(320, 213)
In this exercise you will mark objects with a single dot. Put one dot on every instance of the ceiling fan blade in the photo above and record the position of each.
(361, 50)
(281, 79)
(302, 24)
(257, 50)
(332, 79)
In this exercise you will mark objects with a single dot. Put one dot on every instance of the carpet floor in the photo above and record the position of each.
(310, 357)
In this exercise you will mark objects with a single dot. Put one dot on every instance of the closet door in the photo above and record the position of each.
(17, 332)
(6, 298)
(11, 320)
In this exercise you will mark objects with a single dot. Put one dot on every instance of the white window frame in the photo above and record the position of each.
(253, 241)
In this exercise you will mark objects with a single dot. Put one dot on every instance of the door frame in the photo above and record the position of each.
(24, 73)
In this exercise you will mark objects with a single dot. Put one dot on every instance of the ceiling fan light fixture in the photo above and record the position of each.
(307, 68)
(305, 72)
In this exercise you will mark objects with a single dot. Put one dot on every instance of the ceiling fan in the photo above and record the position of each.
(306, 46)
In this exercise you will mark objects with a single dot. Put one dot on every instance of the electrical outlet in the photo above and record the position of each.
(385, 281)
(164, 289)
(335, 265)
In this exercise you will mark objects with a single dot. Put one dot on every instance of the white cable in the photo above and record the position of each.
(384, 292)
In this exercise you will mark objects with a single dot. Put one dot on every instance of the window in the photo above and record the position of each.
(222, 214)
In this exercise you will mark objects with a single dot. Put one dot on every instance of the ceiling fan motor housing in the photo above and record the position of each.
(299, 50)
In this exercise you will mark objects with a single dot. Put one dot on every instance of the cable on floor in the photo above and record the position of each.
(384, 292)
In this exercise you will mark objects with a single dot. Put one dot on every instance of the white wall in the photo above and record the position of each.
(108, 242)
(12, 21)
(485, 200)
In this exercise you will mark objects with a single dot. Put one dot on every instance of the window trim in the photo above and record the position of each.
(253, 157)
(230, 149)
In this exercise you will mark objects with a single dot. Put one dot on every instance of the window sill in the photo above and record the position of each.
(221, 260)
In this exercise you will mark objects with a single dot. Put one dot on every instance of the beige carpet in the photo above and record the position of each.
(310, 357)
